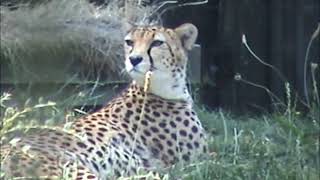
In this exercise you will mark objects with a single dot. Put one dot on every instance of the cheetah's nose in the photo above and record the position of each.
(135, 60)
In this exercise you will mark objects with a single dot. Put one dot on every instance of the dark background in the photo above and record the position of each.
(278, 31)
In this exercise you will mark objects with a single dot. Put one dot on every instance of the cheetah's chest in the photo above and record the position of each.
(148, 128)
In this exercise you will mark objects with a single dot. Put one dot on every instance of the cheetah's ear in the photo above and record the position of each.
(188, 35)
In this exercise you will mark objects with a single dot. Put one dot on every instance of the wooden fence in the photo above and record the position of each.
(278, 31)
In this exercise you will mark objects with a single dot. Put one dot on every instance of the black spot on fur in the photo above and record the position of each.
(165, 114)
(90, 149)
(170, 152)
(183, 133)
(194, 129)
(166, 130)
(128, 113)
(173, 124)
(156, 114)
(175, 112)
(160, 146)
(92, 141)
(162, 124)
(144, 122)
(129, 105)
(110, 161)
(102, 129)
(185, 157)
(99, 153)
(154, 129)
(162, 136)
(196, 144)
(147, 133)
(124, 125)
(174, 136)
(95, 166)
(81, 145)
(149, 118)
(147, 110)
(155, 152)
(100, 134)
(138, 110)
(186, 122)
(189, 146)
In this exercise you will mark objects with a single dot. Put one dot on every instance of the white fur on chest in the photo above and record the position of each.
(166, 87)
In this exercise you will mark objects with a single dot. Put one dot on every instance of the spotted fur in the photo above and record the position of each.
(136, 130)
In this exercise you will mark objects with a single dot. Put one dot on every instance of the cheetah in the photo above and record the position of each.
(149, 126)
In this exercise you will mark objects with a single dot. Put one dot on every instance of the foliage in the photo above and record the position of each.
(65, 30)
(274, 146)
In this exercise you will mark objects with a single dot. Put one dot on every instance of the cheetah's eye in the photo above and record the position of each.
(129, 42)
(156, 43)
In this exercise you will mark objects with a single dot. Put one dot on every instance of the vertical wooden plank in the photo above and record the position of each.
(253, 23)
(301, 44)
(276, 84)
(289, 43)
(228, 52)
(205, 18)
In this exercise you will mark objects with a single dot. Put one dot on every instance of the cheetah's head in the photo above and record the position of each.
(164, 52)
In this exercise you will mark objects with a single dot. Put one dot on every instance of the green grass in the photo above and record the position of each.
(265, 147)
(274, 146)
